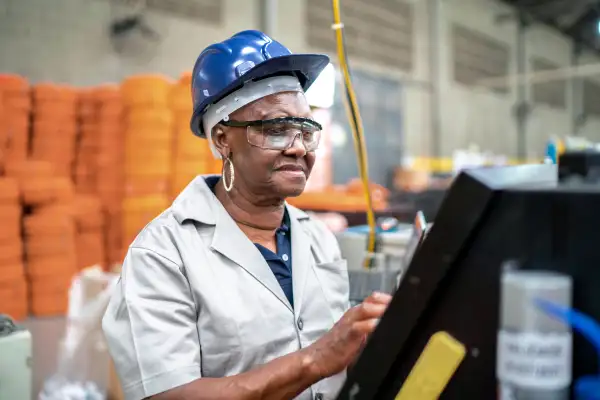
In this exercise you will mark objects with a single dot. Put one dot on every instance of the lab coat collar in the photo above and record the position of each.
(198, 203)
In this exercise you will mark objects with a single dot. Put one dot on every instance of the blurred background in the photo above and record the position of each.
(95, 105)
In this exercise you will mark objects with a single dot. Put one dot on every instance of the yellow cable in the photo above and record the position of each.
(357, 130)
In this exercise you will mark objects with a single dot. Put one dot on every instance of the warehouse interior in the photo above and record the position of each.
(95, 143)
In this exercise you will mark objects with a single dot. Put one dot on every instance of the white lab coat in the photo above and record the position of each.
(197, 299)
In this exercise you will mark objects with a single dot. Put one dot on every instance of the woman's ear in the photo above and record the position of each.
(220, 141)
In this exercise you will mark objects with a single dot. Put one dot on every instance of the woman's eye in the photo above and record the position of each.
(274, 129)
(277, 134)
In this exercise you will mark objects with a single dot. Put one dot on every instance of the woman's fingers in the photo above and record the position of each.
(362, 319)
(365, 327)
(379, 298)
(367, 310)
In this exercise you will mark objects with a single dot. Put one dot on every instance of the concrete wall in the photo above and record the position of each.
(591, 128)
(481, 117)
(469, 115)
(475, 115)
(67, 41)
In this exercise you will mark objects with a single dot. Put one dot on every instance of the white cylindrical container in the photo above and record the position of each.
(534, 351)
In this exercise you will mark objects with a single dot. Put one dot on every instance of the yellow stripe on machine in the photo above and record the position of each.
(434, 368)
(446, 165)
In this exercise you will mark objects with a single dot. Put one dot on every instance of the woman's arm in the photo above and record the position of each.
(283, 378)
(151, 332)
(288, 376)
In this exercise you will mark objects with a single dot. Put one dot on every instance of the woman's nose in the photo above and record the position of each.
(297, 148)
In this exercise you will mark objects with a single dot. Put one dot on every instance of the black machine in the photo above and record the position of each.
(521, 214)
(579, 166)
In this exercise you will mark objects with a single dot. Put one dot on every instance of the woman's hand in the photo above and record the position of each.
(339, 347)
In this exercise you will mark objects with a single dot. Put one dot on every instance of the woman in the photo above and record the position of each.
(231, 293)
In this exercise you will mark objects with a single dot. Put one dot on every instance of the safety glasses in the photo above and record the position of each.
(280, 133)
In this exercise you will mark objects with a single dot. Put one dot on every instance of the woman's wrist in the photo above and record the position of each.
(285, 377)
(311, 368)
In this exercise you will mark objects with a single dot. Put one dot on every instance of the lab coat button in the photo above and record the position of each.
(319, 396)
(300, 324)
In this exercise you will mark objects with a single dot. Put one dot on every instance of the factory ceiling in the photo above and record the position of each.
(577, 19)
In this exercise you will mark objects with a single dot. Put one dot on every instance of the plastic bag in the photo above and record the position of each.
(82, 368)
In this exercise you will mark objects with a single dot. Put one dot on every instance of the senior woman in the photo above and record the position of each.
(231, 293)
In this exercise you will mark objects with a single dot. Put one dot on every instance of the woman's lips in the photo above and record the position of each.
(292, 170)
(290, 167)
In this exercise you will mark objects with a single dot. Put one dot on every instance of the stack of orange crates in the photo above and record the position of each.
(3, 134)
(191, 155)
(17, 109)
(85, 172)
(89, 224)
(148, 147)
(55, 126)
(109, 164)
(89, 215)
(49, 236)
(13, 287)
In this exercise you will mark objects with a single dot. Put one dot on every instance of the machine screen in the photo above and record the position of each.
(419, 231)
(418, 234)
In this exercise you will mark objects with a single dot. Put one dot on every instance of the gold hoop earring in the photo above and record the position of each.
(231, 175)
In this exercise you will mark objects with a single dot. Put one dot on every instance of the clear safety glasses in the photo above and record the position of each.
(280, 133)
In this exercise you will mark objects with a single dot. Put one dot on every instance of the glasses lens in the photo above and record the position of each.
(280, 135)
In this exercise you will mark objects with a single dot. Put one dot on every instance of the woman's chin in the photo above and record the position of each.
(294, 193)
(291, 189)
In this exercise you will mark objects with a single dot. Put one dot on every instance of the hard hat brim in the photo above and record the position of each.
(306, 66)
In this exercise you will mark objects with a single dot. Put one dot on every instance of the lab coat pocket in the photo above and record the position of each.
(220, 356)
(219, 344)
(333, 277)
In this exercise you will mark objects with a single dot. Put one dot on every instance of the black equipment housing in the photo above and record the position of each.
(490, 216)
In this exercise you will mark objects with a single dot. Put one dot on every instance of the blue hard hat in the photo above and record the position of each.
(224, 67)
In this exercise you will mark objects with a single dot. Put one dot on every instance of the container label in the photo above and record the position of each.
(534, 360)
(506, 393)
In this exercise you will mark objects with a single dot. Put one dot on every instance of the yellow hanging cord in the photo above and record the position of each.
(357, 131)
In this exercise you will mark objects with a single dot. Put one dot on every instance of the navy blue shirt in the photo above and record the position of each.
(280, 262)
